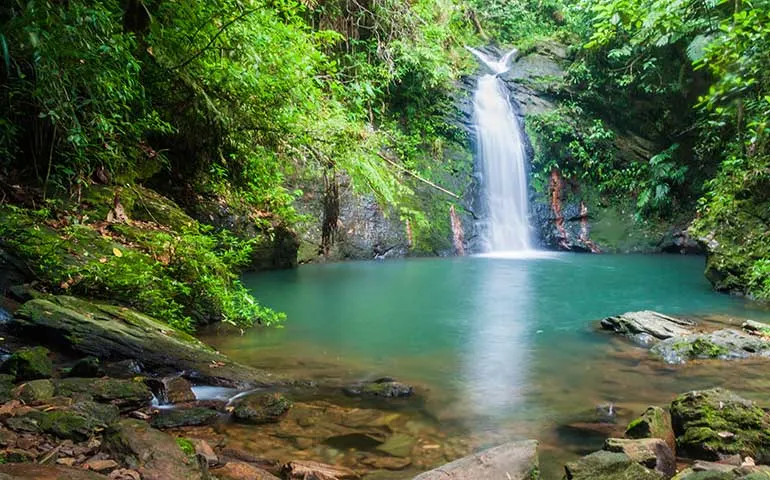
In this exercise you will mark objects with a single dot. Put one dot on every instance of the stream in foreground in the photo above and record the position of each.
(498, 349)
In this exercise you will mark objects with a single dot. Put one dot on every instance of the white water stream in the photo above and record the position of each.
(502, 155)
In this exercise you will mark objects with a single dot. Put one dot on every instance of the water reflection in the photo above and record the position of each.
(497, 356)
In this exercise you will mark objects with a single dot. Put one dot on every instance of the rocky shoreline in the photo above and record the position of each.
(123, 396)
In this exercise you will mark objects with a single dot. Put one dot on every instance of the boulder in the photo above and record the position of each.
(34, 391)
(127, 395)
(204, 450)
(114, 332)
(383, 387)
(242, 471)
(719, 471)
(260, 407)
(306, 470)
(154, 454)
(79, 422)
(726, 344)
(86, 368)
(128, 368)
(32, 471)
(6, 387)
(29, 364)
(714, 424)
(171, 389)
(654, 423)
(756, 328)
(604, 465)
(652, 453)
(184, 417)
(656, 324)
(512, 461)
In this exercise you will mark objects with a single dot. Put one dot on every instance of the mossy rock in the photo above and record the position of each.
(87, 367)
(112, 332)
(655, 422)
(138, 203)
(711, 424)
(29, 364)
(154, 454)
(259, 408)
(34, 391)
(6, 386)
(603, 465)
(127, 395)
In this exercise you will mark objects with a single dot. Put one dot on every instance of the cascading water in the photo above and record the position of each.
(502, 156)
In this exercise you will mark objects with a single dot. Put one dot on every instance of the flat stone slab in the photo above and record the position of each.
(726, 344)
(647, 322)
(510, 461)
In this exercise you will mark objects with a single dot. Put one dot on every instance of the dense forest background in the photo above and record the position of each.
(239, 106)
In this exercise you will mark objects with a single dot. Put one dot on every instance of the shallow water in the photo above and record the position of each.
(499, 348)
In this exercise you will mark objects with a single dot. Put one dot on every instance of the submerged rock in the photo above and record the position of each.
(652, 453)
(514, 461)
(654, 423)
(656, 324)
(383, 387)
(242, 471)
(713, 424)
(305, 470)
(260, 407)
(154, 454)
(184, 417)
(604, 465)
(724, 344)
(113, 332)
(29, 364)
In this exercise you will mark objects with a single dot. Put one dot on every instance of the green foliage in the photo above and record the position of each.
(184, 277)
(522, 22)
(72, 90)
(579, 147)
(655, 183)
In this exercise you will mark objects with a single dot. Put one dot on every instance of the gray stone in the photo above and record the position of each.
(726, 344)
(604, 465)
(510, 461)
(652, 323)
(652, 453)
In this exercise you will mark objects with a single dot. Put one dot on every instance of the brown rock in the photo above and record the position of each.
(67, 462)
(242, 471)
(171, 389)
(652, 453)
(125, 474)
(31, 471)
(154, 454)
(102, 465)
(203, 449)
(305, 469)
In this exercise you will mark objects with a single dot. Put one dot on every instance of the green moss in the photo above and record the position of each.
(716, 422)
(29, 364)
(166, 264)
(186, 446)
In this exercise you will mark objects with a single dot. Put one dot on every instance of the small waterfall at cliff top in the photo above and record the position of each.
(502, 155)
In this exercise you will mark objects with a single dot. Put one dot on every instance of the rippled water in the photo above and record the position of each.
(499, 348)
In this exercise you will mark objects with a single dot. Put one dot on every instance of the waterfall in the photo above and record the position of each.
(502, 156)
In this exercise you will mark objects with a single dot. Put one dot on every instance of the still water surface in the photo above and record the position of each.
(499, 349)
